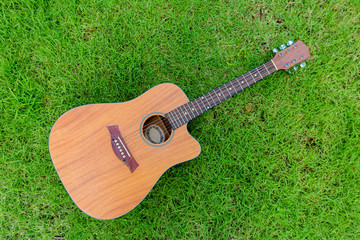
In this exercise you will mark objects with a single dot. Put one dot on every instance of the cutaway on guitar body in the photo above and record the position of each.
(102, 185)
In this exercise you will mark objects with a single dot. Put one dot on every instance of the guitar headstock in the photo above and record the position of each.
(292, 55)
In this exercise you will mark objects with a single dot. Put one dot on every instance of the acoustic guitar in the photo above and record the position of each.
(110, 155)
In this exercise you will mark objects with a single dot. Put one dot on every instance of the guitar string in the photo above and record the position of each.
(265, 73)
(131, 136)
(269, 70)
(212, 93)
(199, 111)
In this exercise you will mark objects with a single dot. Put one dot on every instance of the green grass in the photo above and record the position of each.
(280, 160)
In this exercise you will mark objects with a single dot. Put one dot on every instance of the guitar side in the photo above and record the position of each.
(99, 183)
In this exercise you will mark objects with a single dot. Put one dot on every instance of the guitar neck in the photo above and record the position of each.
(183, 114)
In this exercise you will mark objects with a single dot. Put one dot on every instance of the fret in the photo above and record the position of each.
(237, 79)
(217, 95)
(202, 102)
(255, 75)
(245, 80)
(208, 107)
(228, 91)
(224, 95)
(179, 123)
(182, 117)
(198, 105)
(184, 113)
(266, 69)
(170, 119)
(212, 98)
(252, 76)
(176, 122)
(259, 72)
(233, 87)
(196, 108)
(192, 109)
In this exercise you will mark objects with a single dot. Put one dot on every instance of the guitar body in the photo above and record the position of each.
(83, 150)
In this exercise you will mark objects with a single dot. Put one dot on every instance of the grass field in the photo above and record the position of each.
(279, 160)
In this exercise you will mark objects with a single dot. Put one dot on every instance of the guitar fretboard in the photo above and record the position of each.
(190, 110)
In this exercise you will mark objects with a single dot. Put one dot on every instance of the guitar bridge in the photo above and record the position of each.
(120, 149)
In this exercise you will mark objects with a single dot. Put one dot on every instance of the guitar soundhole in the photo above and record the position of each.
(156, 129)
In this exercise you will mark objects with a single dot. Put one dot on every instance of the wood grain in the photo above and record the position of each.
(97, 181)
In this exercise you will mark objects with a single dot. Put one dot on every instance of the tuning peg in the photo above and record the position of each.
(289, 43)
(275, 50)
(282, 47)
(303, 64)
